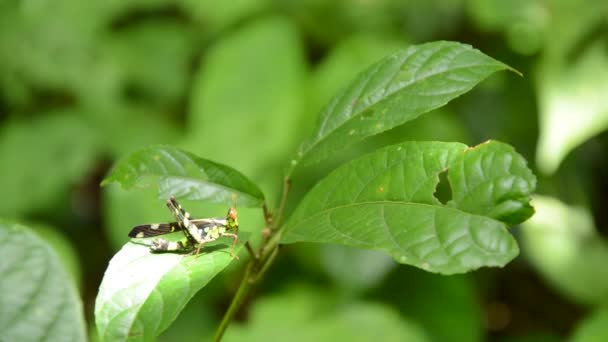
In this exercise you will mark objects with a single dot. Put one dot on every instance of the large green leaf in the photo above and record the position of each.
(49, 140)
(182, 174)
(303, 314)
(562, 243)
(38, 300)
(142, 293)
(393, 91)
(385, 200)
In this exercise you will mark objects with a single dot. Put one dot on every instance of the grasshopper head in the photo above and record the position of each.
(232, 218)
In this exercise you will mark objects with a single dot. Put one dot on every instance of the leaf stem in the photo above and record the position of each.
(279, 215)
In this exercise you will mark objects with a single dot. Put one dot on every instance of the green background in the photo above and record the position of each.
(242, 83)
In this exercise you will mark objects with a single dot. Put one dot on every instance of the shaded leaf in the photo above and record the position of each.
(385, 201)
(562, 243)
(182, 174)
(393, 91)
(38, 300)
(306, 315)
(446, 307)
(142, 293)
(592, 328)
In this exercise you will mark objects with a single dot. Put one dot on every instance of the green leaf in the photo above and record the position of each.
(142, 293)
(493, 181)
(562, 243)
(38, 300)
(393, 91)
(303, 314)
(182, 174)
(592, 328)
(385, 201)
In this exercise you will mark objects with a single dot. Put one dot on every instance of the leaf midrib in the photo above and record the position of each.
(404, 203)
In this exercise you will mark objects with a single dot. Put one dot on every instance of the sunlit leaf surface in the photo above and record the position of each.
(142, 293)
(393, 91)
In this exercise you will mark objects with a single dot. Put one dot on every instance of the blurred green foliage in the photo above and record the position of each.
(241, 83)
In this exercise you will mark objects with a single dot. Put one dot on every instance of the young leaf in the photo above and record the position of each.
(393, 91)
(182, 174)
(38, 299)
(385, 201)
(142, 293)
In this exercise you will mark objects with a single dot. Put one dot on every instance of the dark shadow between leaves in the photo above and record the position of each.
(443, 190)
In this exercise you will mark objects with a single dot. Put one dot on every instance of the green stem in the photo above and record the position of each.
(259, 262)
(237, 300)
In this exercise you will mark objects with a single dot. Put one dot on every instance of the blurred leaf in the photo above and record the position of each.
(133, 128)
(385, 201)
(183, 174)
(153, 58)
(37, 299)
(340, 261)
(395, 90)
(42, 157)
(592, 328)
(64, 249)
(306, 315)
(216, 15)
(142, 293)
(562, 244)
(247, 100)
(265, 104)
(446, 307)
(573, 105)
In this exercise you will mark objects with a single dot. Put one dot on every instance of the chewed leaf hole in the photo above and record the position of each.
(443, 191)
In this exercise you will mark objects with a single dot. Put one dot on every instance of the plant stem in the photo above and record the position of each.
(259, 262)
(237, 300)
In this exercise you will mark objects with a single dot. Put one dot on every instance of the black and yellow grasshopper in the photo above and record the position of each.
(197, 231)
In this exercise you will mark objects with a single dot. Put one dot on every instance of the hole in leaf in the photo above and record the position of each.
(443, 191)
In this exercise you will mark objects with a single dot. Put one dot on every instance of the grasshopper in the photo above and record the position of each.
(197, 231)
